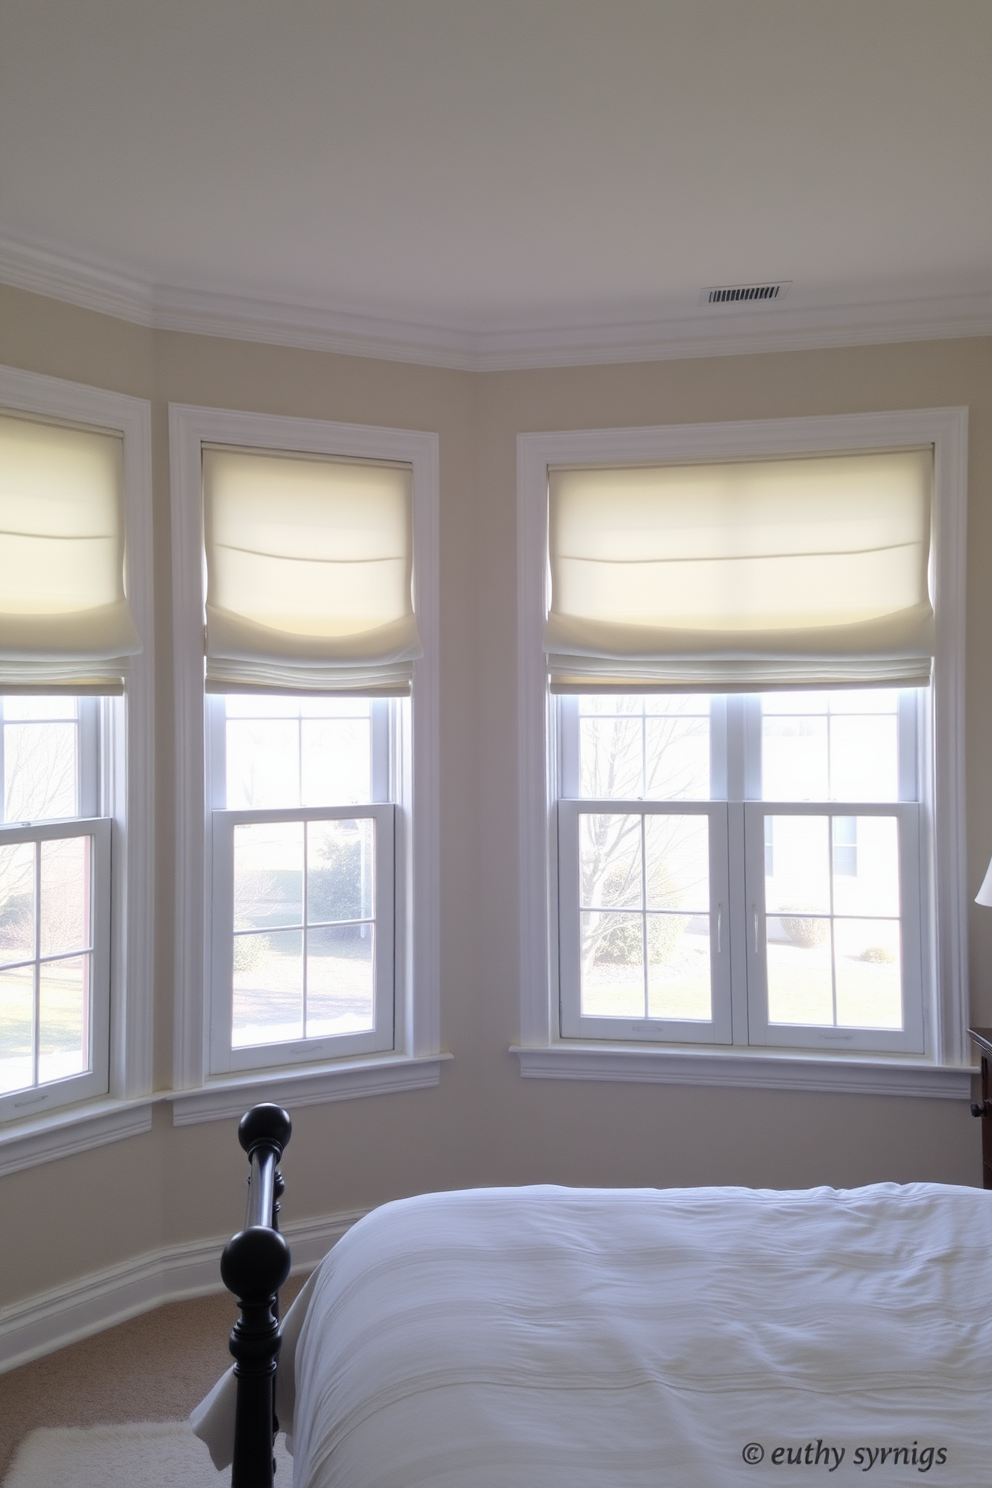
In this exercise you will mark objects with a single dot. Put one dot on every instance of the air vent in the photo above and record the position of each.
(745, 294)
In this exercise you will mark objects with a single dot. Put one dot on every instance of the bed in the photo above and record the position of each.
(641, 1338)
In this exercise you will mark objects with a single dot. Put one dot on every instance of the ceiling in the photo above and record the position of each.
(503, 182)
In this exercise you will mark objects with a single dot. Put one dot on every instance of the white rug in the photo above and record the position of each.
(154, 1454)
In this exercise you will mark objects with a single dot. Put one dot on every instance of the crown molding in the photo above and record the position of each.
(716, 331)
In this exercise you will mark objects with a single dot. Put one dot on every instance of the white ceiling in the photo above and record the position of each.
(503, 182)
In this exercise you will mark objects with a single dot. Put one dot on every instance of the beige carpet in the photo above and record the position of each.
(152, 1368)
(152, 1455)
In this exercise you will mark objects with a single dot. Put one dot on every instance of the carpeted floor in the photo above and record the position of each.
(152, 1368)
(161, 1454)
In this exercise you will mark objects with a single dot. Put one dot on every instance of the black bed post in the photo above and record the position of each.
(254, 1266)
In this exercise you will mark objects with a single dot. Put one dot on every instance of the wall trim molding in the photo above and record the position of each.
(89, 1304)
(382, 1075)
(764, 1071)
(73, 1129)
(715, 331)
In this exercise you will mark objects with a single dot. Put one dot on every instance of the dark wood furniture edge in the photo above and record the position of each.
(254, 1265)
(982, 1108)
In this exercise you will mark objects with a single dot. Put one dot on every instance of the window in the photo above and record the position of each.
(307, 704)
(654, 852)
(54, 905)
(735, 811)
(303, 876)
(75, 714)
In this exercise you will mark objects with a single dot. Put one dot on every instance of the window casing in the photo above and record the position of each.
(76, 827)
(556, 1041)
(396, 811)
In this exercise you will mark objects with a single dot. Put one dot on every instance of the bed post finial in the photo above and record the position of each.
(265, 1125)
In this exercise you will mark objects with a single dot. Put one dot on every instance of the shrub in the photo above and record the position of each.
(880, 954)
(805, 931)
(250, 951)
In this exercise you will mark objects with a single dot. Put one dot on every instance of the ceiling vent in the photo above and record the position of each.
(745, 294)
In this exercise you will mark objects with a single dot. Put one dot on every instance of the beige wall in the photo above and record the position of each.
(483, 1124)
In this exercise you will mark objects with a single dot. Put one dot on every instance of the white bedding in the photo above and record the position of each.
(694, 1338)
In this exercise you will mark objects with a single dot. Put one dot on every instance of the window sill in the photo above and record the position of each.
(41, 1139)
(306, 1086)
(757, 1070)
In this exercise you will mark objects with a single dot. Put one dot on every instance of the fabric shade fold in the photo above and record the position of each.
(309, 573)
(64, 616)
(796, 572)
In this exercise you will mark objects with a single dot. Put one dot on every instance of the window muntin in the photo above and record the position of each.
(826, 902)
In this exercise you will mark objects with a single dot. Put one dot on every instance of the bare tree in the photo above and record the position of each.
(618, 761)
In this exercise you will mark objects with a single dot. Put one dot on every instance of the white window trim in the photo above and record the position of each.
(946, 1069)
(416, 1058)
(129, 757)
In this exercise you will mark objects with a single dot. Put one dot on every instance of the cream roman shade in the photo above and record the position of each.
(64, 618)
(795, 572)
(309, 569)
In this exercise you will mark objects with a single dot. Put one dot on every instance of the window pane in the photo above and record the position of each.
(268, 988)
(268, 874)
(16, 1020)
(33, 707)
(17, 901)
(340, 982)
(335, 707)
(263, 764)
(611, 758)
(65, 895)
(610, 861)
(63, 1018)
(260, 705)
(336, 762)
(677, 759)
(873, 887)
(864, 759)
(801, 862)
(800, 983)
(677, 867)
(794, 759)
(39, 769)
(340, 870)
(679, 980)
(612, 962)
(869, 978)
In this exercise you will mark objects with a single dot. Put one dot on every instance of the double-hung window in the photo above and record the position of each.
(744, 701)
(307, 681)
(74, 691)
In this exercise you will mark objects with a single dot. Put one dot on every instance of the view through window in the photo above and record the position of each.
(819, 895)
(300, 835)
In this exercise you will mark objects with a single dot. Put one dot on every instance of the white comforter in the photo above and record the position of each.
(694, 1338)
